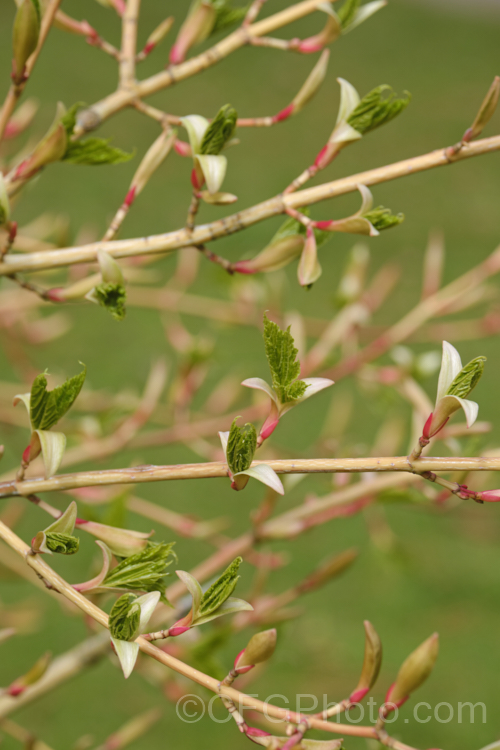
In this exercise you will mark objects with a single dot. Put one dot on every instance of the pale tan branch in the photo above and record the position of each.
(142, 474)
(223, 227)
(129, 43)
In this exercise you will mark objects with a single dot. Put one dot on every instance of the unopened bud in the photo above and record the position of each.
(260, 648)
(158, 34)
(415, 670)
(371, 663)
(25, 36)
(274, 256)
(31, 677)
(110, 270)
(486, 111)
(50, 149)
(490, 496)
(195, 29)
(331, 568)
(313, 82)
(153, 158)
(309, 269)
(122, 542)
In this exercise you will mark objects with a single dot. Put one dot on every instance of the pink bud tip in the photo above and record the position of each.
(178, 631)
(427, 427)
(268, 429)
(284, 114)
(310, 45)
(80, 521)
(491, 496)
(15, 690)
(391, 705)
(194, 180)
(130, 197)
(319, 158)
(26, 455)
(148, 48)
(242, 267)
(55, 295)
(238, 657)
(324, 225)
(176, 55)
(20, 169)
(11, 130)
(13, 231)
(182, 148)
(358, 695)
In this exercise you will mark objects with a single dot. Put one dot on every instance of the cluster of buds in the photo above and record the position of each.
(128, 618)
(239, 446)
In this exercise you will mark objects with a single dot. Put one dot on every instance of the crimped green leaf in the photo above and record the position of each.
(377, 108)
(94, 151)
(62, 544)
(348, 12)
(226, 15)
(144, 571)
(112, 297)
(69, 119)
(281, 355)
(241, 446)
(124, 618)
(382, 218)
(467, 379)
(47, 407)
(219, 132)
(221, 590)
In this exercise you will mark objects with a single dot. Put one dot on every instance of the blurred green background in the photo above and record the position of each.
(442, 574)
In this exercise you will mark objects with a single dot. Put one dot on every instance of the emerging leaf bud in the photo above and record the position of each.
(415, 670)
(195, 29)
(124, 618)
(313, 82)
(486, 111)
(25, 36)
(50, 149)
(371, 663)
(154, 157)
(31, 677)
(309, 269)
(158, 34)
(260, 648)
(273, 257)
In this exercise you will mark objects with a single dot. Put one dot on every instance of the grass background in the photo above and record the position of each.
(443, 573)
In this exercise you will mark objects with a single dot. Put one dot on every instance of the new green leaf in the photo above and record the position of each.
(226, 15)
(219, 132)
(378, 107)
(144, 571)
(382, 218)
(94, 151)
(282, 357)
(112, 297)
(47, 407)
(467, 378)
(124, 618)
(241, 447)
(221, 590)
(62, 544)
